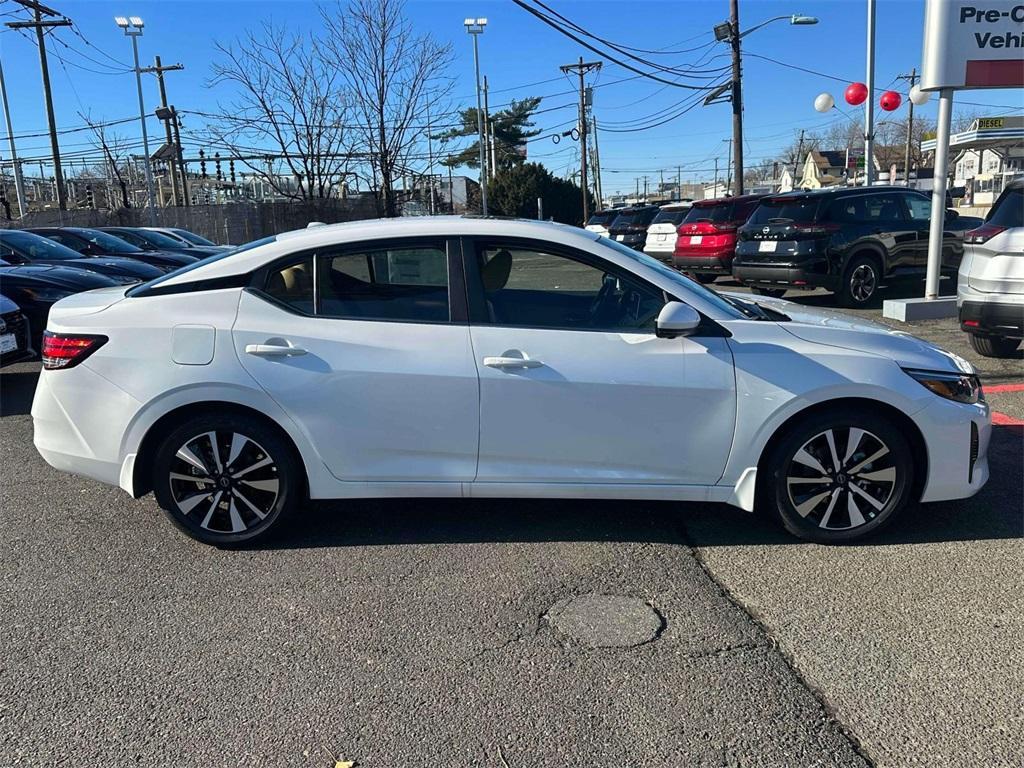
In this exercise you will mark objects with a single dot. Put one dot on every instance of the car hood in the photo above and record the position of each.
(67, 278)
(170, 258)
(821, 325)
(117, 265)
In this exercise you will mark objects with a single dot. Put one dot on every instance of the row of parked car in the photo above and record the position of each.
(848, 240)
(40, 266)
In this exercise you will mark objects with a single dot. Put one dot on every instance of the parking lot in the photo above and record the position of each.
(480, 632)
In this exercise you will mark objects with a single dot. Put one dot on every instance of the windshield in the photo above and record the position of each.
(202, 262)
(685, 284)
(802, 209)
(192, 237)
(158, 239)
(32, 246)
(670, 217)
(106, 242)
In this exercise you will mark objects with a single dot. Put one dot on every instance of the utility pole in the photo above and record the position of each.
(728, 171)
(581, 68)
(799, 157)
(166, 117)
(679, 182)
(19, 186)
(598, 188)
(430, 161)
(645, 189)
(475, 27)
(912, 79)
(181, 159)
(39, 24)
(714, 189)
(737, 95)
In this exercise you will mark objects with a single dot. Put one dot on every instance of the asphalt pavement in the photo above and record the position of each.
(506, 633)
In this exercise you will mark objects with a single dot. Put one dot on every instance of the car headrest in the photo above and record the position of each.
(496, 271)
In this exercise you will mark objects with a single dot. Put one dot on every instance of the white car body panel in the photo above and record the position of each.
(993, 271)
(406, 409)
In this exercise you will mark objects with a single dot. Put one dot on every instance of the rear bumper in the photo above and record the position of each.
(989, 318)
(799, 276)
(710, 264)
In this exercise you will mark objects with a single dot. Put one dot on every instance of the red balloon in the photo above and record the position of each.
(890, 100)
(856, 93)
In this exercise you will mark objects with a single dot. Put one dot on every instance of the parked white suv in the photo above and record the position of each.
(662, 234)
(990, 288)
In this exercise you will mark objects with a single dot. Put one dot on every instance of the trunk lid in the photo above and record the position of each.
(87, 302)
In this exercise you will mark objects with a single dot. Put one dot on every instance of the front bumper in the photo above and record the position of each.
(989, 318)
(956, 437)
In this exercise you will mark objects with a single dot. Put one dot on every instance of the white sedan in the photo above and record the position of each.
(473, 357)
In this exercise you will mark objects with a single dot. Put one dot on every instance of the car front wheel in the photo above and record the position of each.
(839, 478)
(226, 479)
(994, 346)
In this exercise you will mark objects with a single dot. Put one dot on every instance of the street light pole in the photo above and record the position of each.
(19, 187)
(133, 28)
(730, 31)
(869, 107)
(475, 27)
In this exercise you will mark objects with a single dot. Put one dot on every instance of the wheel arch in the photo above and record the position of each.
(872, 251)
(918, 446)
(141, 476)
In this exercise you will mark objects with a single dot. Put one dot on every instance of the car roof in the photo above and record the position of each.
(830, 191)
(721, 200)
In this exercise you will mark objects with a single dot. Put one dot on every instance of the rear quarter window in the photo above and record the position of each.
(1009, 209)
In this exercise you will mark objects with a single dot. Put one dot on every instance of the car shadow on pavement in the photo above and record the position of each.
(16, 391)
(995, 513)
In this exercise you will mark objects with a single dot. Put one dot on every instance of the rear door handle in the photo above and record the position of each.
(273, 350)
(511, 362)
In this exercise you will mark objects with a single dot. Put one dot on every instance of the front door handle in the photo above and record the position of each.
(508, 361)
(273, 350)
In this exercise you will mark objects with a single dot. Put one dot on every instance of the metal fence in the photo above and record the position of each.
(229, 223)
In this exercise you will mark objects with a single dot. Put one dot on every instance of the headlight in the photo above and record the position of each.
(961, 387)
(46, 294)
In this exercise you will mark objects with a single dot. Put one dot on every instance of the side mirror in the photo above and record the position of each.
(676, 319)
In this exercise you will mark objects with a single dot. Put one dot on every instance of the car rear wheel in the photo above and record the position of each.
(773, 293)
(860, 282)
(705, 279)
(226, 480)
(839, 478)
(993, 346)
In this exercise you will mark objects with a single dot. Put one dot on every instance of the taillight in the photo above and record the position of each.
(64, 350)
(704, 228)
(983, 233)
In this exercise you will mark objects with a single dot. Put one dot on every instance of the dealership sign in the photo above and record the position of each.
(973, 44)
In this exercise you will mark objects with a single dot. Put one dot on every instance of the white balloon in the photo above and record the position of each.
(823, 102)
(918, 97)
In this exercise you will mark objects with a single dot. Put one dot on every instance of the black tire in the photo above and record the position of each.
(705, 279)
(822, 511)
(205, 496)
(861, 281)
(994, 346)
(773, 293)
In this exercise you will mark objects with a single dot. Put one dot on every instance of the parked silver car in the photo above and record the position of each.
(990, 285)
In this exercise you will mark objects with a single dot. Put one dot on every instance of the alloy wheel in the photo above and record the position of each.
(841, 478)
(863, 282)
(224, 481)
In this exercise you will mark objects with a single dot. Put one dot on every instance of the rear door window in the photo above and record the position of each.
(407, 284)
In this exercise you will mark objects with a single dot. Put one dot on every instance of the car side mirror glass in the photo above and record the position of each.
(677, 319)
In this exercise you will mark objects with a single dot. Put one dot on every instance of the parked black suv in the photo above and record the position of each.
(847, 240)
(630, 226)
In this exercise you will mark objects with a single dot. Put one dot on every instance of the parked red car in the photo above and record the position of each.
(706, 240)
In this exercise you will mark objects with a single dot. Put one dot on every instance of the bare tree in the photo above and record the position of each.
(392, 76)
(289, 108)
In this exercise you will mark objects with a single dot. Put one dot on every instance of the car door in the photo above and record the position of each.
(367, 349)
(575, 387)
(919, 211)
(887, 221)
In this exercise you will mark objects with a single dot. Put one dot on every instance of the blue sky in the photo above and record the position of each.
(516, 50)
